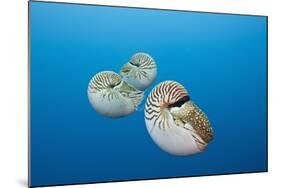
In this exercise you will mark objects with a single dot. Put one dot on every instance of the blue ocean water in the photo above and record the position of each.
(219, 58)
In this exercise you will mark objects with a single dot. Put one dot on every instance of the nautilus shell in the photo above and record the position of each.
(174, 122)
(140, 71)
(111, 96)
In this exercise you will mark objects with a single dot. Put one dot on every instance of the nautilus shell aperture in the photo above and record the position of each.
(140, 71)
(111, 96)
(174, 122)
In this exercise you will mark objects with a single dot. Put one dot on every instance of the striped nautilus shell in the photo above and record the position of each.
(111, 96)
(174, 122)
(140, 71)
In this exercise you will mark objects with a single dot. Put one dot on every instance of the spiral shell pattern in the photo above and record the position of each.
(174, 122)
(140, 71)
(111, 96)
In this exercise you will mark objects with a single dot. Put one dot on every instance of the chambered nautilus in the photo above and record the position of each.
(174, 122)
(140, 71)
(111, 96)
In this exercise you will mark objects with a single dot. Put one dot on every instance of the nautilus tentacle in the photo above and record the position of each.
(140, 71)
(174, 122)
(111, 96)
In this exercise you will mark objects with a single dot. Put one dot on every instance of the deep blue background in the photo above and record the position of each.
(220, 59)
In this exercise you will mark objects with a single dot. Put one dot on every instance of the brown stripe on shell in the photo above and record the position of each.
(104, 80)
(163, 95)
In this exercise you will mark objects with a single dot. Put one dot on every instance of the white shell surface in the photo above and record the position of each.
(109, 95)
(140, 71)
(174, 140)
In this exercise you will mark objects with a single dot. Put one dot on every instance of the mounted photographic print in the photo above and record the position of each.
(120, 93)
